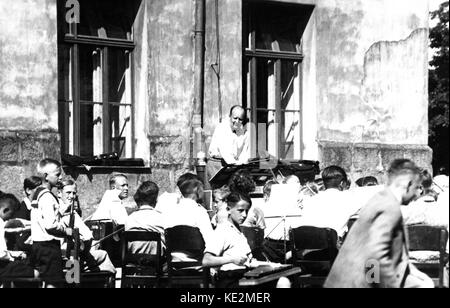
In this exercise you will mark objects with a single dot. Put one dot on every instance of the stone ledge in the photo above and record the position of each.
(361, 159)
(24, 146)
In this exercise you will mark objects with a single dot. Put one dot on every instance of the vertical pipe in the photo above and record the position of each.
(199, 76)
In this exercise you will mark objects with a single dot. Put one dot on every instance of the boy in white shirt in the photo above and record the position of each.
(229, 250)
(47, 229)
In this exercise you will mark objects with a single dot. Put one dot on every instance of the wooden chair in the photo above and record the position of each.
(27, 283)
(189, 241)
(428, 238)
(255, 239)
(141, 269)
(314, 250)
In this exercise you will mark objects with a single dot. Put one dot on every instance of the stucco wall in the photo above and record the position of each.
(28, 89)
(28, 67)
(372, 71)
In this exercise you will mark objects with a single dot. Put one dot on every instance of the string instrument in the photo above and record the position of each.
(73, 240)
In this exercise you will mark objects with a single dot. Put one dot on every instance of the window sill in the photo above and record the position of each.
(108, 169)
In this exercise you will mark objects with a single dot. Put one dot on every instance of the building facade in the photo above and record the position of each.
(338, 81)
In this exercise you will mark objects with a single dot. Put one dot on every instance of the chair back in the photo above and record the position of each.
(429, 238)
(423, 237)
(313, 244)
(185, 239)
(189, 241)
(141, 263)
(255, 239)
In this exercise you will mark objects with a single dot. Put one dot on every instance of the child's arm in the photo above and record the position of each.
(5, 256)
(210, 260)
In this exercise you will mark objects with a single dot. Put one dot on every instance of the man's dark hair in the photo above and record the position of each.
(334, 176)
(427, 179)
(237, 196)
(191, 187)
(186, 177)
(367, 181)
(242, 181)
(147, 194)
(9, 199)
(401, 167)
(32, 182)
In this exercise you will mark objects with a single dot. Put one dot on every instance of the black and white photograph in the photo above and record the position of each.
(224, 149)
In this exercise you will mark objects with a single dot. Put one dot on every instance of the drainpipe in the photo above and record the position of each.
(199, 79)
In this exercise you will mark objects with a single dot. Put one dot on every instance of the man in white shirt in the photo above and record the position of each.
(146, 218)
(111, 206)
(330, 208)
(230, 144)
(188, 211)
(92, 259)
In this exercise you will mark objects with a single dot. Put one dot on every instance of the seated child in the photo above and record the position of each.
(12, 263)
(229, 250)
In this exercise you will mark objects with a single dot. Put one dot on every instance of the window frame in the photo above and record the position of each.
(251, 55)
(73, 41)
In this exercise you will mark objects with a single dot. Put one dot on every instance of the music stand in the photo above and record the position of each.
(222, 177)
(284, 198)
(262, 171)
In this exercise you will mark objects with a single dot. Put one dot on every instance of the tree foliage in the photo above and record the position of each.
(439, 87)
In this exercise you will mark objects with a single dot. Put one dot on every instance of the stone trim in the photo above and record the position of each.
(363, 159)
(24, 147)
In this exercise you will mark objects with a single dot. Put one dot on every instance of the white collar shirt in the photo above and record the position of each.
(229, 241)
(233, 147)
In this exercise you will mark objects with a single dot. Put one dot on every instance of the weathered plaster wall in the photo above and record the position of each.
(372, 71)
(165, 81)
(28, 89)
(229, 56)
(28, 67)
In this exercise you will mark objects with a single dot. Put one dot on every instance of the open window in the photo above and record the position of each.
(95, 76)
(272, 75)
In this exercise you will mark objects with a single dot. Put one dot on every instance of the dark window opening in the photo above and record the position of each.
(95, 78)
(273, 56)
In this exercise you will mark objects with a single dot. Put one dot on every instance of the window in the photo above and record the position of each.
(272, 75)
(95, 78)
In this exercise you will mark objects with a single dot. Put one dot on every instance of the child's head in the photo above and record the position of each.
(267, 190)
(50, 172)
(238, 205)
(147, 194)
(30, 185)
(192, 189)
(9, 204)
(220, 196)
(242, 181)
(367, 181)
(67, 191)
